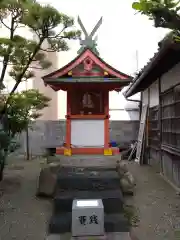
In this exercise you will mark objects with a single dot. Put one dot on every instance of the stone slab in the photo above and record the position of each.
(90, 168)
(102, 237)
(116, 223)
(112, 200)
(87, 180)
(87, 217)
(92, 172)
(110, 236)
(112, 223)
(88, 160)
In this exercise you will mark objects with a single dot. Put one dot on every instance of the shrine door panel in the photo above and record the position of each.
(91, 102)
(87, 133)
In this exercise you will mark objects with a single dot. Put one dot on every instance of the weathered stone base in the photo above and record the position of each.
(88, 183)
(112, 200)
(82, 179)
(109, 236)
(85, 160)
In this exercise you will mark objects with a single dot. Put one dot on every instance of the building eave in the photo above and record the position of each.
(87, 80)
(109, 84)
(167, 56)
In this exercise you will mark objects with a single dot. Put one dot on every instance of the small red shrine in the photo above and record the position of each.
(87, 80)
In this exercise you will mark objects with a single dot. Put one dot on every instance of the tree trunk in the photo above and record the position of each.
(27, 144)
(2, 170)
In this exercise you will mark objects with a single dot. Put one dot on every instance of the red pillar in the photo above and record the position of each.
(68, 122)
(106, 120)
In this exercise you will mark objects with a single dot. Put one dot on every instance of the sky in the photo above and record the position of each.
(122, 33)
(126, 40)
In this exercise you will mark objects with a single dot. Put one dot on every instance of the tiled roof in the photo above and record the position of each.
(164, 44)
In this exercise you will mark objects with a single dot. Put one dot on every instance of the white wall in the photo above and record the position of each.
(154, 94)
(87, 133)
(49, 113)
(171, 78)
(121, 109)
(124, 115)
(151, 94)
(145, 96)
(167, 80)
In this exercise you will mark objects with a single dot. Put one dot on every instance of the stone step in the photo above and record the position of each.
(108, 236)
(87, 180)
(112, 200)
(112, 223)
(90, 168)
(87, 160)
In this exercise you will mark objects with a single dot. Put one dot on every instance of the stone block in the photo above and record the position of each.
(88, 180)
(112, 200)
(116, 223)
(87, 217)
(89, 168)
(121, 168)
(127, 183)
(103, 237)
(60, 224)
(47, 180)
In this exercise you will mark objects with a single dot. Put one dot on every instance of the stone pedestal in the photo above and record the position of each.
(87, 217)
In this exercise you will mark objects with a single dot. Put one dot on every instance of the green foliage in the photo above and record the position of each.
(45, 23)
(4, 139)
(131, 213)
(22, 109)
(163, 12)
(148, 6)
(48, 26)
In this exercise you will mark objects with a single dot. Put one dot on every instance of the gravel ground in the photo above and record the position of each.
(158, 206)
(24, 217)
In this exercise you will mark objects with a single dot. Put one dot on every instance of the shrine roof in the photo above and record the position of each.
(106, 74)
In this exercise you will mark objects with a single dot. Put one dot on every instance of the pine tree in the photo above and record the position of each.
(45, 22)
(22, 54)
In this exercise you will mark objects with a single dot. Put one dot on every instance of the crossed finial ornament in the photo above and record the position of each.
(89, 41)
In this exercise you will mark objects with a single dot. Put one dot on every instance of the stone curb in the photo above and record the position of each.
(110, 236)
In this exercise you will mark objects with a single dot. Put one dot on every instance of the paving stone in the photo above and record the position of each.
(119, 236)
(116, 223)
(87, 180)
(112, 223)
(60, 223)
(112, 200)
(110, 236)
(57, 237)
